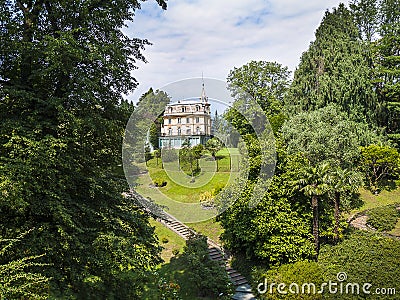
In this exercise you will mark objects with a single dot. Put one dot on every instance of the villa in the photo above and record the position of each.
(186, 120)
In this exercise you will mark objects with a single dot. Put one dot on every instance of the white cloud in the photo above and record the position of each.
(209, 36)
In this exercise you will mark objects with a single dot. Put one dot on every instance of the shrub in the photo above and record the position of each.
(164, 240)
(383, 218)
(175, 252)
(207, 199)
(379, 163)
(168, 290)
(207, 275)
(299, 273)
(159, 182)
(366, 258)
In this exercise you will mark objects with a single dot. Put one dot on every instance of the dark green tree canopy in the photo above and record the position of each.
(264, 81)
(335, 69)
(64, 66)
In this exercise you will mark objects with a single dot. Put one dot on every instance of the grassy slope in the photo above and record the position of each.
(383, 198)
(174, 240)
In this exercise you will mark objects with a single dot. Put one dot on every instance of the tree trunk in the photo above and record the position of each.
(314, 205)
(337, 217)
(215, 159)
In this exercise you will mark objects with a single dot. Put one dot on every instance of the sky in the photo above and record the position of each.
(211, 37)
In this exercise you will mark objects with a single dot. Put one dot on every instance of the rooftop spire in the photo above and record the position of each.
(204, 97)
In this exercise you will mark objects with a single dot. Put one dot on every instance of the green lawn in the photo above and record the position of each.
(173, 269)
(210, 228)
(180, 196)
(174, 241)
(383, 198)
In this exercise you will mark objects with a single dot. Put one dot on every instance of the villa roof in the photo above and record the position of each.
(191, 101)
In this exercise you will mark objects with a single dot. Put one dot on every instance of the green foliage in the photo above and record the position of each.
(366, 258)
(366, 16)
(169, 155)
(314, 182)
(275, 231)
(383, 218)
(147, 154)
(17, 278)
(159, 182)
(327, 134)
(335, 69)
(209, 277)
(387, 79)
(264, 81)
(379, 163)
(63, 118)
(213, 145)
(299, 272)
(189, 158)
(168, 290)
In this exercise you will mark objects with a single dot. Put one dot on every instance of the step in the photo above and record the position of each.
(215, 254)
(240, 282)
(213, 250)
(181, 229)
(234, 275)
(238, 277)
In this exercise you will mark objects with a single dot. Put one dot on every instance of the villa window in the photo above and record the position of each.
(188, 131)
(183, 109)
(197, 108)
(197, 119)
(197, 130)
(170, 131)
(187, 120)
(179, 120)
(169, 121)
(179, 131)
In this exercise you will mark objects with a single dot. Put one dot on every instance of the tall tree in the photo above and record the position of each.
(366, 15)
(379, 24)
(265, 82)
(63, 68)
(326, 135)
(335, 69)
(386, 61)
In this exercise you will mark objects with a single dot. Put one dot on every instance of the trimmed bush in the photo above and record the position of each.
(383, 218)
(293, 276)
(159, 182)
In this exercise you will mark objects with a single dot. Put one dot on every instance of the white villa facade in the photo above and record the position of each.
(186, 120)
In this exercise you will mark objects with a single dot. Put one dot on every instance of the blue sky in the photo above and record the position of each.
(213, 36)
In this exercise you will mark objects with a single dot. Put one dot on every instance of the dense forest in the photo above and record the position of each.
(66, 231)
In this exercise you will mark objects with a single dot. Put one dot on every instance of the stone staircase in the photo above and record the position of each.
(216, 253)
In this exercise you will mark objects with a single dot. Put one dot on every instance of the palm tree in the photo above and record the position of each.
(342, 180)
(314, 183)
